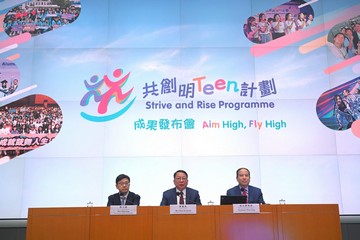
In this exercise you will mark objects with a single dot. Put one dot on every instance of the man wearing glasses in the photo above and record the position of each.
(124, 196)
(180, 194)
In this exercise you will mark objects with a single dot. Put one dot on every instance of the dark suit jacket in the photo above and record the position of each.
(170, 197)
(254, 195)
(132, 199)
(355, 39)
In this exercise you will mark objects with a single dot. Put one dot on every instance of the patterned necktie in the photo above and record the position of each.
(181, 198)
(244, 193)
(122, 199)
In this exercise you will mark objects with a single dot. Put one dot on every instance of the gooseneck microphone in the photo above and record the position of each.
(131, 202)
(182, 199)
(187, 201)
(244, 193)
(127, 201)
(122, 198)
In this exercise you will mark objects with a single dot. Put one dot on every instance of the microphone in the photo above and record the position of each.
(189, 201)
(244, 193)
(181, 194)
(122, 200)
(129, 202)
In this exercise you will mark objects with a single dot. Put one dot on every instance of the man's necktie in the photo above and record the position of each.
(122, 199)
(181, 198)
(244, 193)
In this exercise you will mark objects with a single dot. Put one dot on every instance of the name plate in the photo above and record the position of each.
(183, 209)
(123, 210)
(246, 208)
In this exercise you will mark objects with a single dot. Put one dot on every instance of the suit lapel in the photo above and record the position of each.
(117, 199)
(237, 190)
(249, 194)
(129, 197)
(173, 196)
(188, 196)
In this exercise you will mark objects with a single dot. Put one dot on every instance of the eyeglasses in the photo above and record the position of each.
(124, 184)
(181, 179)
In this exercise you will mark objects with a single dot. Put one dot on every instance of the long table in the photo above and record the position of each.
(274, 222)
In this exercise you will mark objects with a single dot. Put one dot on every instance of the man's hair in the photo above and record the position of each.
(121, 177)
(182, 171)
(339, 33)
(242, 168)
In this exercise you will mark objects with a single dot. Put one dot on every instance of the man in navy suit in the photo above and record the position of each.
(254, 194)
(180, 191)
(124, 196)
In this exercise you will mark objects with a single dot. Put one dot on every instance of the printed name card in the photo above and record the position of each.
(183, 209)
(123, 210)
(246, 208)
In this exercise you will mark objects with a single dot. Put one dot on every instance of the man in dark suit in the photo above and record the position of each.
(180, 194)
(124, 196)
(356, 35)
(254, 194)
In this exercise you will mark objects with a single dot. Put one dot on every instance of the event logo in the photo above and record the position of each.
(187, 93)
(103, 91)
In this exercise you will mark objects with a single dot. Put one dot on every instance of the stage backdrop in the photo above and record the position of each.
(91, 89)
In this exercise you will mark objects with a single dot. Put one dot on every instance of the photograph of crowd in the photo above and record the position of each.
(28, 123)
(338, 108)
(343, 39)
(278, 22)
(37, 17)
